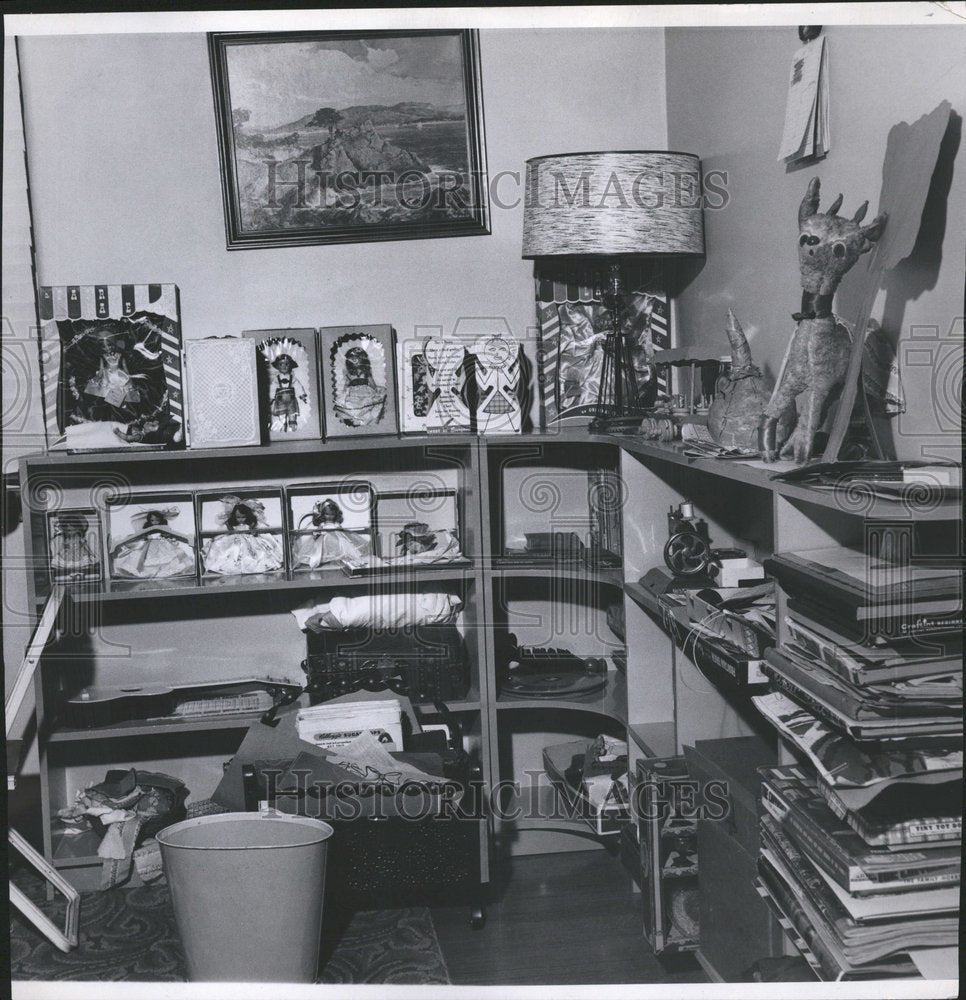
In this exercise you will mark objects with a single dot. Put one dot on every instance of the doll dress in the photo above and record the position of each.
(240, 552)
(329, 546)
(71, 555)
(153, 556)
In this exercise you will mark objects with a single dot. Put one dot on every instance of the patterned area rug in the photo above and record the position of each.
(130, 934)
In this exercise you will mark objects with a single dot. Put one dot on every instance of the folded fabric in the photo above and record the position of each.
(381, 611)
(112, 846)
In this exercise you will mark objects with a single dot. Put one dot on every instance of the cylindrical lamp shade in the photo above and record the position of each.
(586, 204)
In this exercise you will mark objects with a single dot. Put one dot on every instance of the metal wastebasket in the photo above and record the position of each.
(247, 891)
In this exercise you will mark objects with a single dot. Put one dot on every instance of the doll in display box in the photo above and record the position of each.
(330, 525)
(327, 542)
(247, 545)
(74, 545)
(154, 550)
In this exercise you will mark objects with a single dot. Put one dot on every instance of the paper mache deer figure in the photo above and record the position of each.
(817, 358)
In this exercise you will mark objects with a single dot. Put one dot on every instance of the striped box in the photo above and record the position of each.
(110, 363)
(572, 319)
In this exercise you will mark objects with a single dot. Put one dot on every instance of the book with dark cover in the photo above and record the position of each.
(932, 814)
(856, 579)
(720, 658)
(791, 796)
(862, 665)
(882, 627)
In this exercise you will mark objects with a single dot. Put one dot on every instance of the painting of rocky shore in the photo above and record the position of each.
(335, 138)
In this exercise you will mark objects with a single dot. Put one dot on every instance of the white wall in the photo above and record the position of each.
(125, 178)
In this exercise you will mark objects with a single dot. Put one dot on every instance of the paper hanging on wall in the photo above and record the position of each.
(806, 134)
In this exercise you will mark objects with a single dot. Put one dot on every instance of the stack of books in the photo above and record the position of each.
(860, 852)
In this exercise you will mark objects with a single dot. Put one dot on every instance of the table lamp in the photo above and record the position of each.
(610, 207)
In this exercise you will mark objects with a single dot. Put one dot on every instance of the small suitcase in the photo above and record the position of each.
(428, 663)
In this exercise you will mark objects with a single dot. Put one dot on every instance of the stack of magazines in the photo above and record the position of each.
(860, 857)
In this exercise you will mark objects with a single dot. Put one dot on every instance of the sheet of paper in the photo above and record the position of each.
(936, 963)
(806, 133)
(370, 761)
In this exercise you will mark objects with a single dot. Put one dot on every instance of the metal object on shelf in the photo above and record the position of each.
(687, 551)
(542, 672)
(553, 685)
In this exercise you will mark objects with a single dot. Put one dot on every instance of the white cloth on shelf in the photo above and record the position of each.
(382, 611)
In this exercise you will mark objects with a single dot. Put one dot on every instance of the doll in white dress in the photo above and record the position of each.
(328, 543)
(154, 550)
(246, 546)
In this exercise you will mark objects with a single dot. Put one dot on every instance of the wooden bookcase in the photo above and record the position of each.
(217, 629)
(204, 631)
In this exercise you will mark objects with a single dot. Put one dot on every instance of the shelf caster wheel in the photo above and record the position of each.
(478, 917)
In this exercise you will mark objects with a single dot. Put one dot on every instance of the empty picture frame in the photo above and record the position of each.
(330, 523)
(74, 545)
(151, 536)
(288, 384)
(359, 380)
(241, 531)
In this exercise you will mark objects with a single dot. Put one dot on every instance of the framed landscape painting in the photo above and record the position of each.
(345, 137)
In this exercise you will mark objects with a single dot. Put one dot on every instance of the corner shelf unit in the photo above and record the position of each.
(178, 632)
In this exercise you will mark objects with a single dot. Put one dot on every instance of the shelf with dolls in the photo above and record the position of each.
(182, 571)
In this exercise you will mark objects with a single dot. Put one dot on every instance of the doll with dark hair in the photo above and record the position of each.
(418, 542)
(71, 555)
(287, 390)
(111, 392)
(154, 550)
(362, 401)
(247, 544)
(327, 543)
(113, 383)
(156, 429)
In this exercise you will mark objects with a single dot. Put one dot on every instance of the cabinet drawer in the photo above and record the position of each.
(733, 764)
(736, 926)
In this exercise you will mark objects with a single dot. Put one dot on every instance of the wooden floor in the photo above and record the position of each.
(558, 919)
